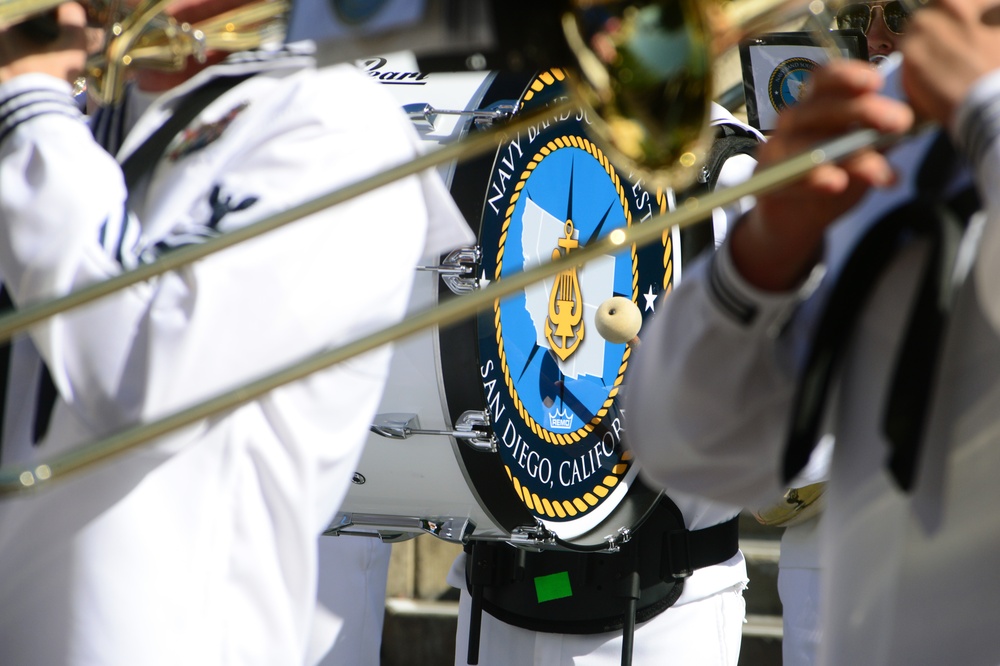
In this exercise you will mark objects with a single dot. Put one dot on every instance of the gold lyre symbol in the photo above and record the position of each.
(565, 304)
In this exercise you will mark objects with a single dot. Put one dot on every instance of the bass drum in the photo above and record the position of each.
(509, 425)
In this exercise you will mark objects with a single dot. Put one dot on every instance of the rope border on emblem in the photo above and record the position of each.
(578, 505)
(668, 246)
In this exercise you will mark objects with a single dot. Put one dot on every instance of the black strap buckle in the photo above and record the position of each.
(678, 550)
(684, 551)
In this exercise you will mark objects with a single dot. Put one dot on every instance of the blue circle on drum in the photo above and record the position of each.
(563, 395)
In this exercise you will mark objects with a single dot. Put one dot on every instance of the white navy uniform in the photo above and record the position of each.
(702, 628)
(907, 578)
(200, 548)
(353, 575)
(799, 570)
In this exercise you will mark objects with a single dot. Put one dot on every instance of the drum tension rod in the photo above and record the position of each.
(472, 427)
(424, 115)
(458, 269)
(398, 528)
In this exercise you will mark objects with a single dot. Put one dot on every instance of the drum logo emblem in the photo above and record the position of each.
(565, 304)
(550, 382)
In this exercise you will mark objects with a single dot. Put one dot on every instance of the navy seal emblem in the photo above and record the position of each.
(551, 382)
(789, 81)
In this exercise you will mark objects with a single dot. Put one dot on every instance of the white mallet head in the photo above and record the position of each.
(618, 321)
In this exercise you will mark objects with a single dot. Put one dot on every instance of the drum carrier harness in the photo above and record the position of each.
(594, 590)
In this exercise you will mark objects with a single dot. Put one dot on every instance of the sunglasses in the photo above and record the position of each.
(859, 17)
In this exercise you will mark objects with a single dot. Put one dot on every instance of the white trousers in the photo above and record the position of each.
(707, 632)
(798, 589)
(353, 571)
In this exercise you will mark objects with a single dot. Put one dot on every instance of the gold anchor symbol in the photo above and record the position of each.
(565, 304)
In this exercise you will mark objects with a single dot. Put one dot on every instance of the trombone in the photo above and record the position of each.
(620, 86)
(145, 37)
(14, 479)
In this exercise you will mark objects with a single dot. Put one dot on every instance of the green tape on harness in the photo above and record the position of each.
(553, 586)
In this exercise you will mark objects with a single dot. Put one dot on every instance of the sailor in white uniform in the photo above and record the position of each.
(199, 548)
(908, 554)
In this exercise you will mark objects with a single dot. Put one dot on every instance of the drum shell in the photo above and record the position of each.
(405, 486)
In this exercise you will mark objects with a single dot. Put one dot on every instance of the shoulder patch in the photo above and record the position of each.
(193, 139)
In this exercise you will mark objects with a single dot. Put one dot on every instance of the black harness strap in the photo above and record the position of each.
(141, 162)
(928, 215)
(559, 591)
(730, 140)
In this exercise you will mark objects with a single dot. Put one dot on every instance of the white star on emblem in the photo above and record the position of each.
(650, 299)
(484, 281)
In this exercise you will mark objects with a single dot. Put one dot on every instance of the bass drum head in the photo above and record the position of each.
(552, 386)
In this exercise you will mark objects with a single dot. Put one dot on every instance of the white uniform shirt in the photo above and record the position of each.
(200, 548)
(908, 578)
(698, 511)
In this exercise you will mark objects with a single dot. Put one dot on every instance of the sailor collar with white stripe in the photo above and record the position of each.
(288, 56)
(299, 54)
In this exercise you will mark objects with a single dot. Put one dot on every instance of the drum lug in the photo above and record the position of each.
(473, 428)
(479, 431)
(424, 115)
(456, 530)
(532, 536)
(458, 269)
(540, 537)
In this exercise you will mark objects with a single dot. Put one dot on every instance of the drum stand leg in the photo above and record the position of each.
(483, 567)
(478, 579)
(630, 589)
(475, 624)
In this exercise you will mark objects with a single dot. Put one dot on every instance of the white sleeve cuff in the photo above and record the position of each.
(33, 95)
(30, 82)
(976, 128)
(741, 301)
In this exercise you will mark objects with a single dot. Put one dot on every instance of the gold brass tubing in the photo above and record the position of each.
(239, 29)
(129, 30)
(230, 22)
(23, 318)
(146, 38)
(14, 479)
